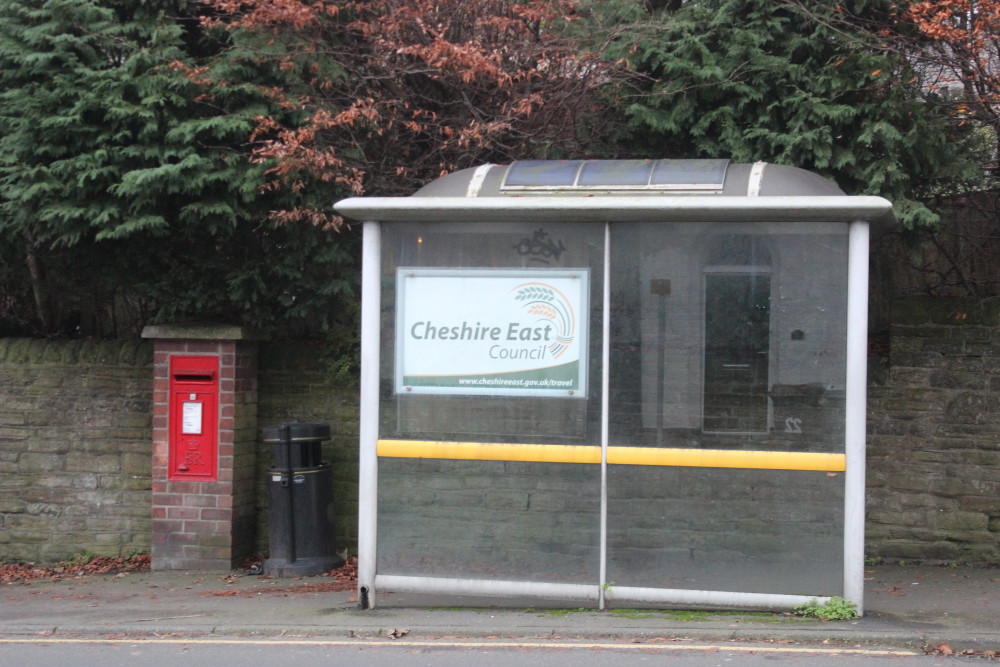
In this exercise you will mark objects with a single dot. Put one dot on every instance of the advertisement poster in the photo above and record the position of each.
(520, 332)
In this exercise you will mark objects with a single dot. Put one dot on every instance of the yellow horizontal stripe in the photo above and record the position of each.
(648, 456)
(488, 451)
(724, 458)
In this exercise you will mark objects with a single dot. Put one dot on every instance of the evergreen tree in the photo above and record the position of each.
(807, 84)
(126, 187)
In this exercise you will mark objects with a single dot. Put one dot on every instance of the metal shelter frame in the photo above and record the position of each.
(856, 211)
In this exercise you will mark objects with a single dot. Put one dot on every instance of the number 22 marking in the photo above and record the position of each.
(793, 425)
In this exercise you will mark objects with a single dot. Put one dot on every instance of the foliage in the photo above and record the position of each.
(88, 111)
(834, 609)
(126, 191)
(80, 565)
(957, 56)
(792, 83)
(398, 92)
(179, 160)
(952, 47)
(961, 58)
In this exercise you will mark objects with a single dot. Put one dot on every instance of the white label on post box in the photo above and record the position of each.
(191, 419)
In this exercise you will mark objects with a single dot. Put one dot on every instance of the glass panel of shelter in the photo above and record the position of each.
(723, 336)
(491, 519)
(484, 418)
(727, 337)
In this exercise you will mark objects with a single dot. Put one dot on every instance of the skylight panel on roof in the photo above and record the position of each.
(628, 175)
(690, 172)
(542, 173)
(597, 173)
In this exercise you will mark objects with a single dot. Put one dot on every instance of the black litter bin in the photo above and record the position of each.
(300, 502)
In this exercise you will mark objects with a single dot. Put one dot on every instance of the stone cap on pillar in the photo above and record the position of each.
(200, 332)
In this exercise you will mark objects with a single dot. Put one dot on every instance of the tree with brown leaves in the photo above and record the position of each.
(394, 93)
(960, 59)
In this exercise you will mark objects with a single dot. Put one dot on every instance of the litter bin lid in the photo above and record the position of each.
(297, 431)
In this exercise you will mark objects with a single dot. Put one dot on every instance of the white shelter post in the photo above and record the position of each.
(605, 410)
(371, 308)
(856, 413)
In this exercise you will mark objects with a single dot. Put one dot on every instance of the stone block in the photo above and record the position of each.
(18, 552)
(947, 347)
(973, 408)
(10, 505)
(897, 518)
(981, 432)
(972, 333)
(949, 379)
(17, 351)
(36, 528)
(932, 457)
(957, 523)
(85, 481)
(9, 418)
(140, 420)
(136, 464)
(917, 334)
(34, 462)
(918, 360)
(904, 376)
(125, 484)
(96, 463)
(920, 550)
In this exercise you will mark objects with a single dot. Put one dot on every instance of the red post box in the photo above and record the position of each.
(194, 418)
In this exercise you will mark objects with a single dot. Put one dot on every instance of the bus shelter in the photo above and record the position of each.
(615, 383)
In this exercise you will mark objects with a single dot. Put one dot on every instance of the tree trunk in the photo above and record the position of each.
(37, 283)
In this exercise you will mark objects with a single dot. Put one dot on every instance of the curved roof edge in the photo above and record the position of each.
(629, 177)
(709, 208)
(625, 190)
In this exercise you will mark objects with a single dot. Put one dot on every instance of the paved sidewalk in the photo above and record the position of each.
(905, 606)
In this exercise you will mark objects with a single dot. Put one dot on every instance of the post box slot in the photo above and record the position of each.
(193, 376)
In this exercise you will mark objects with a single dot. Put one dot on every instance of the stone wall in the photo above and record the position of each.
(75, 440)
(76, 443)
(934, 435)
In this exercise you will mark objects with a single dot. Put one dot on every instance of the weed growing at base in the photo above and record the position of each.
(834, 609)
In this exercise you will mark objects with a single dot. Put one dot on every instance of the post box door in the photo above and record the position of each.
(194, 425)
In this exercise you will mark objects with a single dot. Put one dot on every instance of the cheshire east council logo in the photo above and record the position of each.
(546, 303)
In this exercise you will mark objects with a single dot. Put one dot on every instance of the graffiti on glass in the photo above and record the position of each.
(540, 247)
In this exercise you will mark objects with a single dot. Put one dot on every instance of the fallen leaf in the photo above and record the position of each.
(80, 566)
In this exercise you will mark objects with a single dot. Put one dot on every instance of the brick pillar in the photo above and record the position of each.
(206, 524)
